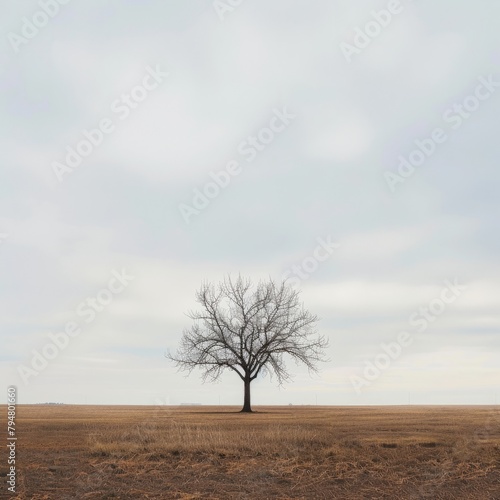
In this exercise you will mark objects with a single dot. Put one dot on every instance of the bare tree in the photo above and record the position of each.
(249, 330)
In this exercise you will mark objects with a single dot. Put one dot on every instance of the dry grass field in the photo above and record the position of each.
(130, 452)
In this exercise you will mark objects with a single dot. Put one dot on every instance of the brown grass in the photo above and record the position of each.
(279, 452)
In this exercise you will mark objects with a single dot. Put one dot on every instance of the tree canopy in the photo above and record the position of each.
(249, 330)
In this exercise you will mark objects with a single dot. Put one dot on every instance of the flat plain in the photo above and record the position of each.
(290, 452)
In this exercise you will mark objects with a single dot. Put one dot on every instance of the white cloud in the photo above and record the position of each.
(341, 140)
(325, 176)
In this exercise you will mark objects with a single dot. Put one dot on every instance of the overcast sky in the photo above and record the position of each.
(311, 121)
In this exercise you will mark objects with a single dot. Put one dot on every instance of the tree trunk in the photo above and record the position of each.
(246, 402)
